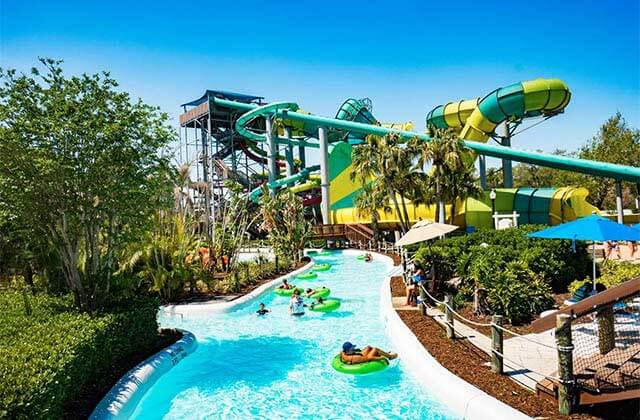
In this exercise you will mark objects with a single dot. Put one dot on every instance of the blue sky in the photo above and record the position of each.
(406, 56)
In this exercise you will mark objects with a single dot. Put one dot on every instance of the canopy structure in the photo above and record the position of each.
(423, 231)
(592, 228)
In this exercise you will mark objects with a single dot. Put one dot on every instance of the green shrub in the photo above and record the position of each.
(47, 357)
(518, 293)
(612, 273)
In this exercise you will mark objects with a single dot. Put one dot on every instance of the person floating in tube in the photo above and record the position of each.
(352, 355)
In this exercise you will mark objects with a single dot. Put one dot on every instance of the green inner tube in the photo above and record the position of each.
(325, 253)
(361, 257)
(313, 251)
(322, 292)
(326, 306)
(286, 292)
(359, 368)
(306, 276)
(321, 267)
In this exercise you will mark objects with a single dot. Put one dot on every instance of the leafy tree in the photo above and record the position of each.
(283, 220)
(445, 152)
(389, 168)
(461, 184)
(368, 202)
(81, 166)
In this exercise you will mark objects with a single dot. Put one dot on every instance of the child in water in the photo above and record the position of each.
(262, 310)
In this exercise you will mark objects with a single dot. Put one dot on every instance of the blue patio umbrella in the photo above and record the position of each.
(592, 228)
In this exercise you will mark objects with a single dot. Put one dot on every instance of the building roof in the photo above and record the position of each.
(238, 97)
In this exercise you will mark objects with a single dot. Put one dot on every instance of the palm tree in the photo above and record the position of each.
(461, 185)
(445, 154)
(367, 204)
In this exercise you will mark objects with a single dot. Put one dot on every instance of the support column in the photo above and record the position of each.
(302, 156)
(564, 343)
(507, 167)
(208, 194)
(324, 174)
(619, 209)
(482, 166)
(272, 152)
(289, 152)
(638, 196)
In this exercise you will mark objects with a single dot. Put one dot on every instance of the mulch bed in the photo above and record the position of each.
(466, 361)
(467, 312)
(92, 392)
(398, 287)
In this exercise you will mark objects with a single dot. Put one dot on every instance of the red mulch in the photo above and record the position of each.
(92, 392)
(465, 360)
(398, 287)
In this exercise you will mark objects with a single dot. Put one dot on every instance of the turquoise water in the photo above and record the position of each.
(278, 366)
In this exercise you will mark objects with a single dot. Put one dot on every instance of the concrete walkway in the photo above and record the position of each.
(516, 349)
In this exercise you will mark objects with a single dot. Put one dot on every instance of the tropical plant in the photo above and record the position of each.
(368, 203)
(389, 169)
(284, 222)
(459, 185)
(82, 165)
(445, 155)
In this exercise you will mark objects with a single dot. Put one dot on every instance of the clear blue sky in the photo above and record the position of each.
(406, 56)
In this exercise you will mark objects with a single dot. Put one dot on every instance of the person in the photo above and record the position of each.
(352, 355)
(368, 257)
(285, 285)
(309, 292)
(296, 304)
(417, 278)
(318, 301)
(262, 310)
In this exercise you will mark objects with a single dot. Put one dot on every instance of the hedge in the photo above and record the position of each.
(47, 357)
(518, 273)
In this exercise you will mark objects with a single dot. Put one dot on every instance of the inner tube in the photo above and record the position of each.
(359, 368)
(326, 306)
(360, 257)
(306, 276)
(325, 253)
(322, 292)
(321, 267)
(286, 292)
(313, 251)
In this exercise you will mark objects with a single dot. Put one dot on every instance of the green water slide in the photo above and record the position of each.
(303, 175)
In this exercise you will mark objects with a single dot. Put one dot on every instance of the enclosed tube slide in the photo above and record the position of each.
(480, 117)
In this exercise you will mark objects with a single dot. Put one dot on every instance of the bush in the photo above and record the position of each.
(612, 273)
(48, 356)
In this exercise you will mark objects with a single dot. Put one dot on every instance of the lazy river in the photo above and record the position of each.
(279, 366)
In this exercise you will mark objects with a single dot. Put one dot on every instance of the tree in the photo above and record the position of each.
(368, 202)
(445, 154)
(617, 143)
(283, 220)
(459, 185)
(381, 162)
(82, 165)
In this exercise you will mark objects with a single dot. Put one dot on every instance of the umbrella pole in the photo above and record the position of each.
(593, 248)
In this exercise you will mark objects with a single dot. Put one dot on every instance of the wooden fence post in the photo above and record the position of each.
(606, 330)
(564, 344)
(448, 316)
(497, 364)
(423, 298)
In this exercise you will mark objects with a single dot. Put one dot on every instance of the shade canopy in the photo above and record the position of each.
(637, 226)
(423, 231)
(591, 228)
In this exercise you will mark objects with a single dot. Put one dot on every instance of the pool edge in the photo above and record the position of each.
(463, 398)
(123, 398)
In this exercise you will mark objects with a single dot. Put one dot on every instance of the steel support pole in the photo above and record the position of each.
(482, 166)
(289, 152)
(507, 166)
(324, 173)
(302, 156)
(272, 152)
(619, 209)
(638, 196)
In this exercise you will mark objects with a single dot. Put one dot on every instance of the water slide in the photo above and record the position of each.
(477, 120)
